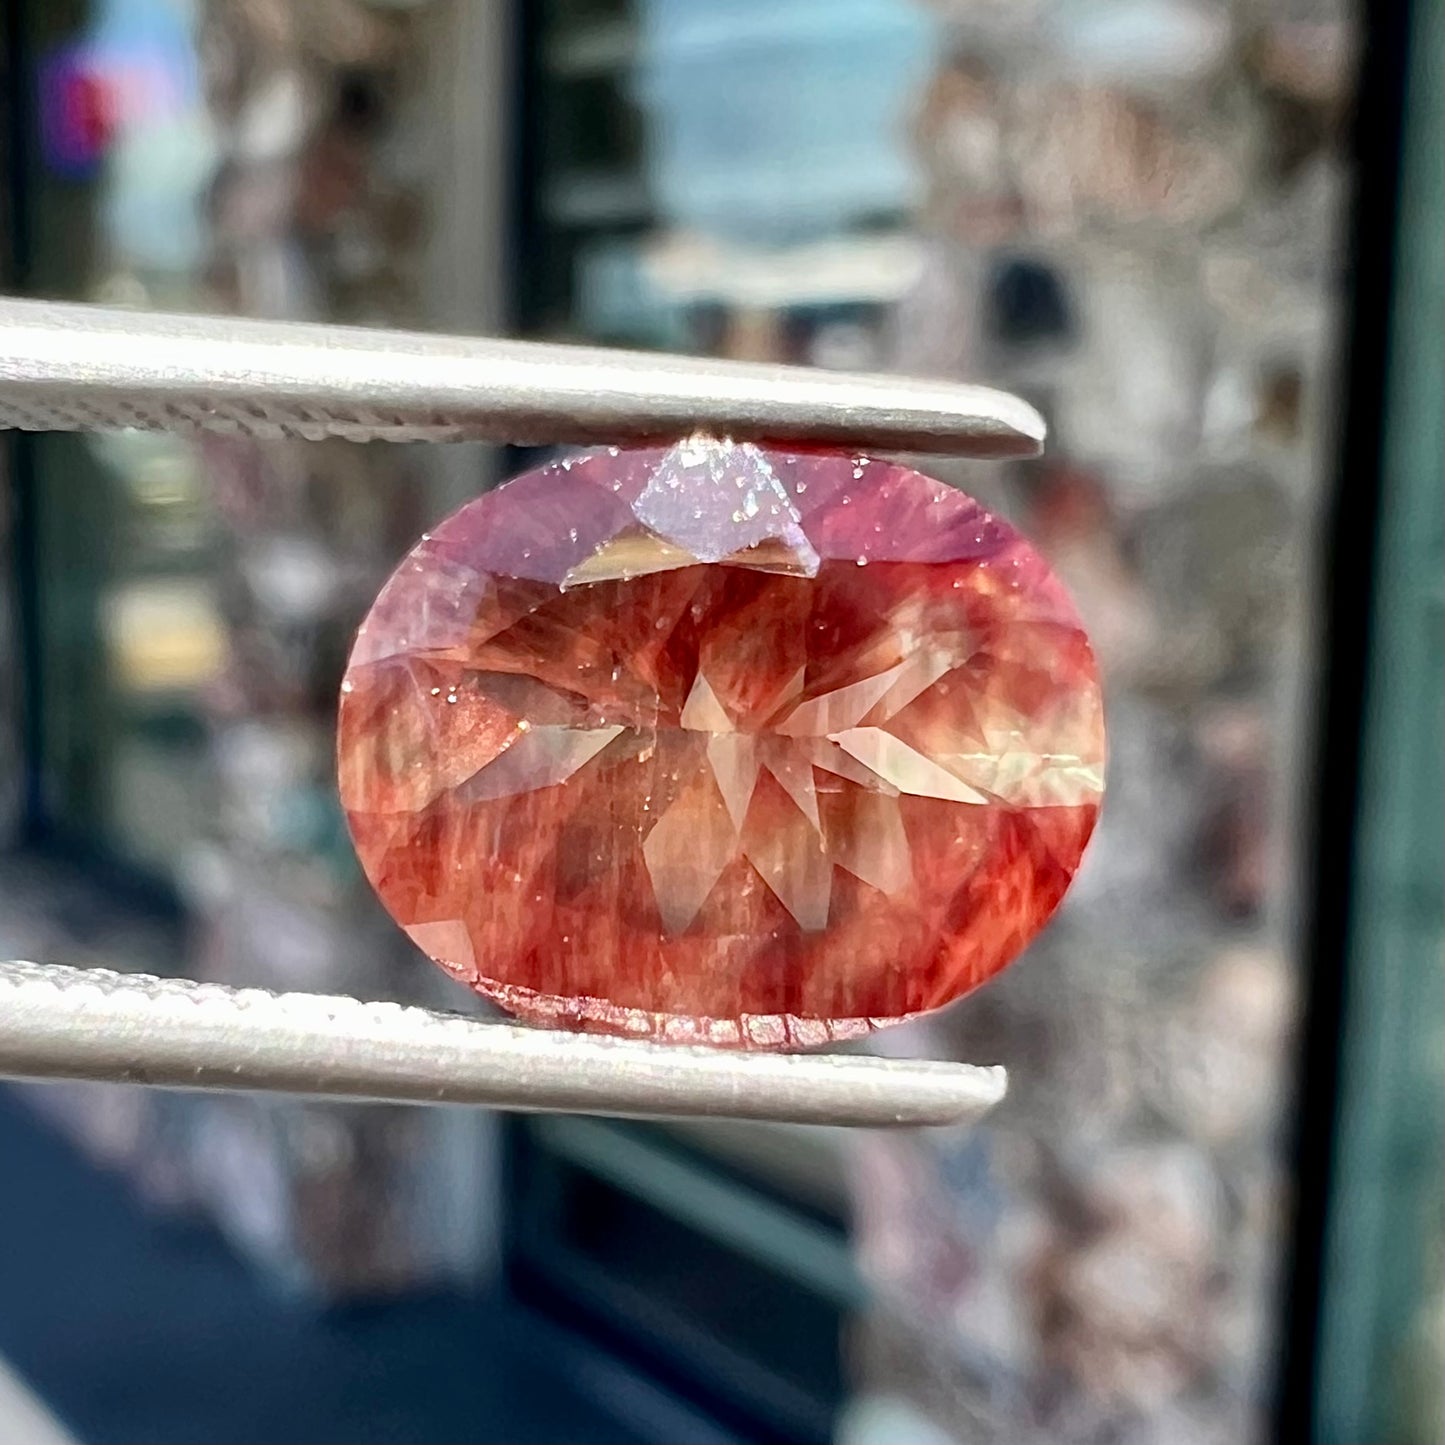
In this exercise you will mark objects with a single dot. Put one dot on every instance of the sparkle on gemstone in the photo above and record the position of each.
(638, 742)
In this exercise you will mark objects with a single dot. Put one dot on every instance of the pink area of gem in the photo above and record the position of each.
(723, 744)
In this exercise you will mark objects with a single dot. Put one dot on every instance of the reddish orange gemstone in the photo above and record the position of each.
(721, 744)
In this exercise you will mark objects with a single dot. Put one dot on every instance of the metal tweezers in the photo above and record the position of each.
(82, 368)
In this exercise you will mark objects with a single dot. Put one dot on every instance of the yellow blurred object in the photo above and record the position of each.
(163, 635)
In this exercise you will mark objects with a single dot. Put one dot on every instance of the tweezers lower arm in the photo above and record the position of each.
(76, 1023)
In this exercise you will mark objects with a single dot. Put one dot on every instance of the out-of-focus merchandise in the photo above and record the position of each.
(275, 171)
(1149, 251)
(729, 179)
(1132, 214)
(313, 211)
(11, 771)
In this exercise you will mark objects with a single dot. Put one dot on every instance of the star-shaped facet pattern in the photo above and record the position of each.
(722, 743)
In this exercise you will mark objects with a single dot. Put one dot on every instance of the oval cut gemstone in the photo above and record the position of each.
(721, 744)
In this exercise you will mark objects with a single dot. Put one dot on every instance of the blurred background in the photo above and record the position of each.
(1203, 237)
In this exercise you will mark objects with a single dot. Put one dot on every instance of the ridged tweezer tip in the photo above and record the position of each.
(66, 367)
(71, 1023)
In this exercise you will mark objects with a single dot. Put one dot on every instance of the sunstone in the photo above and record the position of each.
(721, 744)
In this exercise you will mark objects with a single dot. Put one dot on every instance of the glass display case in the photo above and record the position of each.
(1133, 215)
(186, 605)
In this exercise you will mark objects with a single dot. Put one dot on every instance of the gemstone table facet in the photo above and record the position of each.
(721, 744)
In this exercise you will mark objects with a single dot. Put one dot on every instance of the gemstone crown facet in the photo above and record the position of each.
(722, 744)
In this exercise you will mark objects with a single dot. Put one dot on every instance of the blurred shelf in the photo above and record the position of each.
(744, 1220)
(804, 1163)
(586, 50)
(597, 198)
